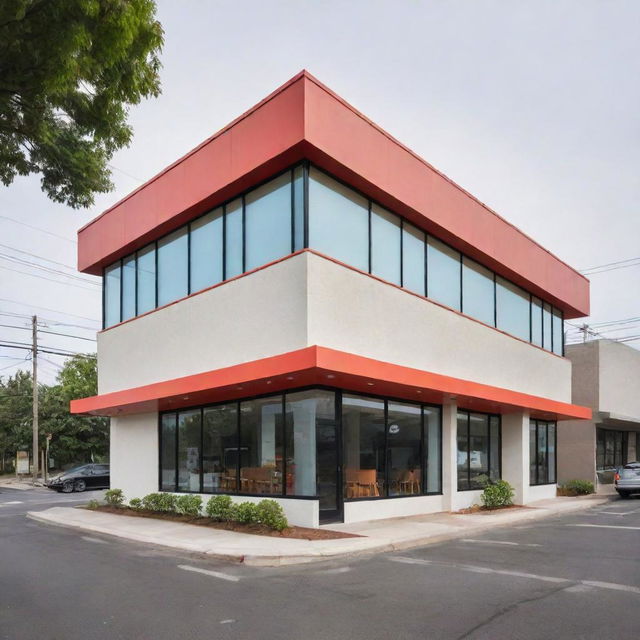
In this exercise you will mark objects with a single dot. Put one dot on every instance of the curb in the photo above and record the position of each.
(268, 560)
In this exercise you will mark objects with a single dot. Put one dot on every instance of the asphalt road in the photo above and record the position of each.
(576, 576)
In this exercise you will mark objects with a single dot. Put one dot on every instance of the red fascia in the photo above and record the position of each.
(313, 366)
(304, 119)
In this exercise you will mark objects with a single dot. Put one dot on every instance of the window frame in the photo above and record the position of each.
(544, 481)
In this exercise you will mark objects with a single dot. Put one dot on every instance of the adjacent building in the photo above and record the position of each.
(606, 378)
(301, 308)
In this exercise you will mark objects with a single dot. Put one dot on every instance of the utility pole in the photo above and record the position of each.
(585, 332)
(34, 326)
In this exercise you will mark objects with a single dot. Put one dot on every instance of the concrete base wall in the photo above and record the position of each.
(392, 508)
(542, 492)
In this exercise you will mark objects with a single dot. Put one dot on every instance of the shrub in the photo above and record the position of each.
(189, 505)
(152, 502)
(93, 504)
(576, 488)
(247, 513)
(135, 503)
(114, 497)
(271, 514)
(220, 508)
(497, 494)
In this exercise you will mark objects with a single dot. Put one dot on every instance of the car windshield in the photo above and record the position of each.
(84, 467)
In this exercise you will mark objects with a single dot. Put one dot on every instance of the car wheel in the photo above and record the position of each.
(81, 485)
(67, 487)
(623, 494)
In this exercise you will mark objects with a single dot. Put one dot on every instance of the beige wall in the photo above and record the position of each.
(619, 379)
(576, 450)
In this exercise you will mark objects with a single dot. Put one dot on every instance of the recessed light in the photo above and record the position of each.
(268, 381)
(289, 377)
(418, 391)
(239, 388)
(185, 397)
(370, 384)
(330, 376)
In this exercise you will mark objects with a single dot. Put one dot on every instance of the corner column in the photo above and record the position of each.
(449, 454)
(515, 453)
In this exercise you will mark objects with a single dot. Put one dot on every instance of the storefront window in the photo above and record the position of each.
(404, 448)
(433, 449)
(220, 454)
(189, 450)
(168, 452)
(479, 438)
(542, 452)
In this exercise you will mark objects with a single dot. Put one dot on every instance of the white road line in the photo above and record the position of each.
(603, 526)
(96, 540)
(336, 570)
(517, 574)
(6, 504)
(214, 574)
(504, 542)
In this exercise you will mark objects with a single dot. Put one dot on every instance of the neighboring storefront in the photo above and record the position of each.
(303, 309)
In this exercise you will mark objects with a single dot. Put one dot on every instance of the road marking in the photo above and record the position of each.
(97, 540)
(6, 504)
(207, 572)
(576, 584)
(603, 526)
(336, 570)
(229, 621)
(510, 544)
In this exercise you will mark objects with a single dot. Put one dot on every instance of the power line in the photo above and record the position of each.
(59, 352)
(35, 255)
(53, 333)
(35, 275)
(609, 264)
(35, 265)
(33, 306)
(30, 226)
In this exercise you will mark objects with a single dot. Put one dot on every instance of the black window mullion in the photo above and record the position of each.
(244, 235)
(424, 453)
(461, 283)
(121, 287)
(495, 300)
(238, 440)
(177, 438)
(224, 243)
(305, 188)
(284, 445)
(155, 293)
(189, 259)
(402, 252)
(530, 318)
(370, 238)
(468, 450)
(201, 462)
(386, 449)
(426, 266)
(104, 298)
(293, 211)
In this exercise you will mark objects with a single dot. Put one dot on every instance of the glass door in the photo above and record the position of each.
(328, 471)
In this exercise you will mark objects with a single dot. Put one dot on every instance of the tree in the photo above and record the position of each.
(69, 69)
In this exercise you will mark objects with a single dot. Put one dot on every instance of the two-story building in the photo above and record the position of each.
(302, 308)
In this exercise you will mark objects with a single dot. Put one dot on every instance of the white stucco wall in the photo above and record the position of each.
(542, 492)
(361, 510)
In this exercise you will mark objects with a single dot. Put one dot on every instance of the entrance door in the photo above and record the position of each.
(328, 471)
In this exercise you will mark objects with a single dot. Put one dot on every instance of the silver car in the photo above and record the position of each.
(627, 479)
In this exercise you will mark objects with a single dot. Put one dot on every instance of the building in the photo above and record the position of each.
(606, 378)
(302, 308)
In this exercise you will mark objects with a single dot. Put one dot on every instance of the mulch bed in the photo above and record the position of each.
(480, 510)
(302, 533)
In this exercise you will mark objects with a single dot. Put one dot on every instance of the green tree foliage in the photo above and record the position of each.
(75, 439)
(69, 70)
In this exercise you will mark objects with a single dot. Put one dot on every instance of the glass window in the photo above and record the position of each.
(477, 291)
(268, 222)
(433, 448)
(533, 452)
(478, 451)
(385, 244)
(443, 273)
(413, 259)
(112, 295)
(557, 331)
(512, 309)
(546, 326)
(338, 221)
(146, 279)
(220, 448)
(542, 452)
(298, 208)
(543, 464)
(363, 429)
(233, 239)
(129, 287)
(536, 322)
(463, 451)
(551, 439)
(168, 452)
(173, 267)
(404, 449)
(189, 429)
(495, 442)
(261, 450)
(308, 414)
(206, 250)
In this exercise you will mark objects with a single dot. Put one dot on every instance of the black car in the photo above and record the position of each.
(88, 476)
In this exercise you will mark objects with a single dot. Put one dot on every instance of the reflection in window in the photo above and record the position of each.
(189, 450)
(432, 449)
(557, 331)
(168, 452)
(129, 287)
(363, 428)
(146, 279)
(542, 452)
(220, 453)
(261, 440)
(477, 291)
(479, 437)
(536, 322)
(404, 449)
(546, 327)
(268, 222)
(443, 273)
(112, 295)
(413, 258)
(298, 208)
(385, 244)
(173, 267)
(233, 239)
(338, 221)
(205, 251)
(512, 309)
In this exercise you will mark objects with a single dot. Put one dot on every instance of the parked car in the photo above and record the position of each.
(627, 479)
(88, 476)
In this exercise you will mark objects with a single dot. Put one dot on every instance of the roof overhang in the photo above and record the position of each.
(317, 365)
(305, 119)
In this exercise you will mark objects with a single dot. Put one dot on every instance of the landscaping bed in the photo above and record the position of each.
(302, 533)
(481, 510)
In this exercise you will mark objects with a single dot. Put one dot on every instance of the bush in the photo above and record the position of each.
(135, 503)
(93, 504)
(247, 513)
(114, 497)
(497, 494)
(271, 514)
(168, 502)
(576, 488)
(220, 508)
(189, 505)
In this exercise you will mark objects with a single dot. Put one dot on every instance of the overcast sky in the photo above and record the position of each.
(532, 106)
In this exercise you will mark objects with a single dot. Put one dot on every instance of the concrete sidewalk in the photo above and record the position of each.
(377, 536)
